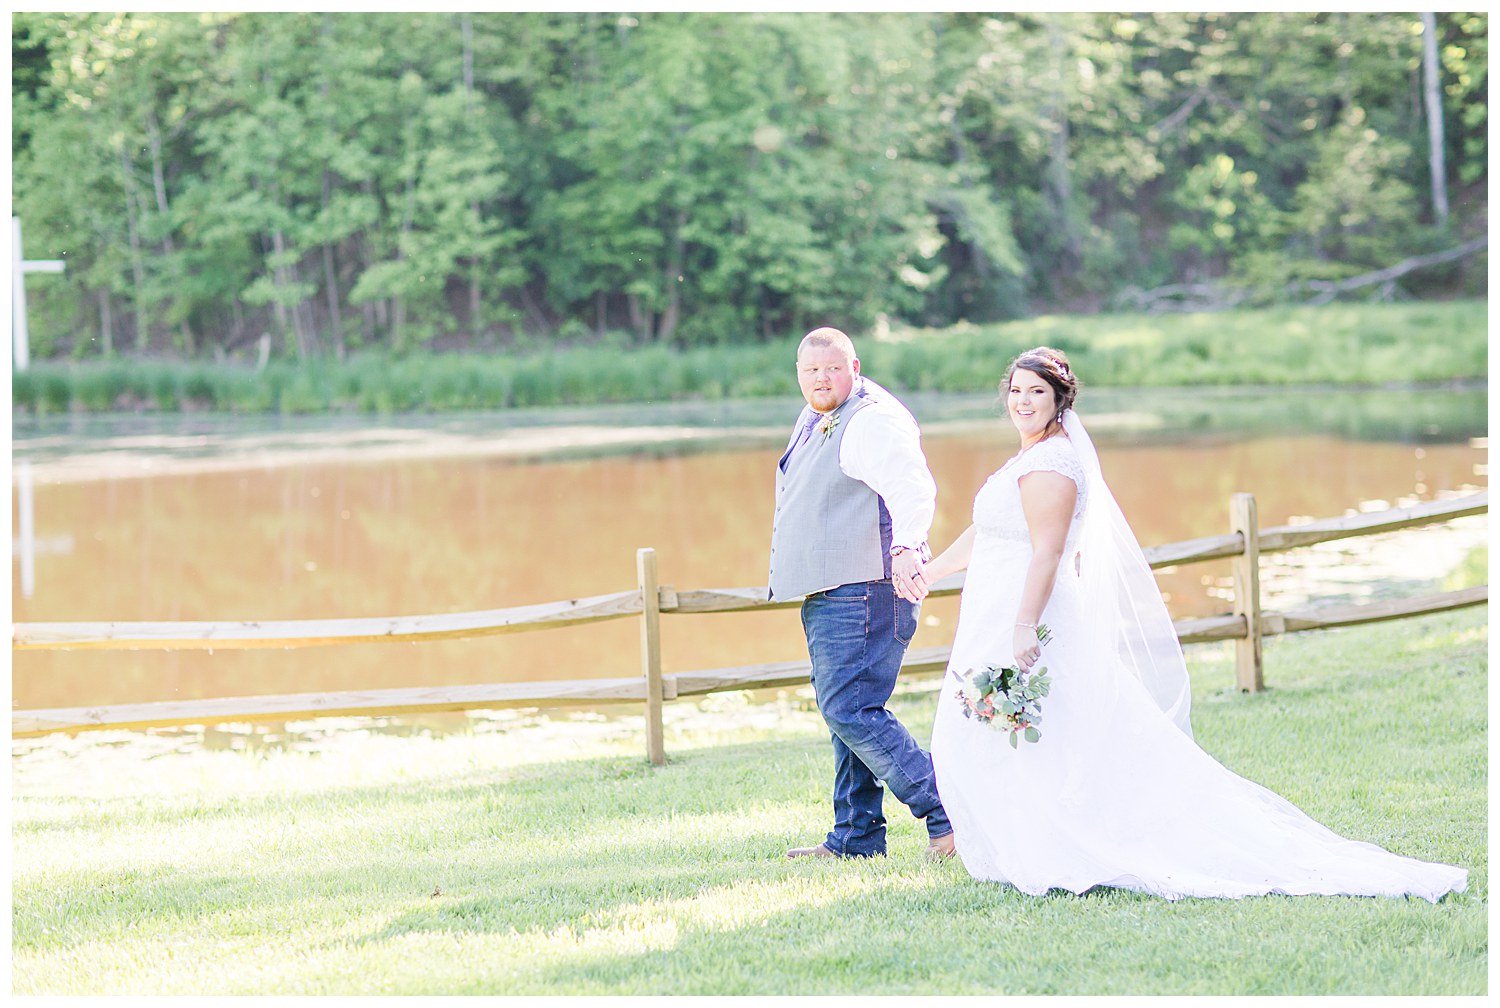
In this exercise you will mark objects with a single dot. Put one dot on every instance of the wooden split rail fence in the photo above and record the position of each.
(1247, 625)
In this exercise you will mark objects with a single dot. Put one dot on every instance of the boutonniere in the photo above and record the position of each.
(827, 425)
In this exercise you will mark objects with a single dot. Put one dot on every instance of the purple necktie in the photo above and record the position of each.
(803, 435)
(806, 432)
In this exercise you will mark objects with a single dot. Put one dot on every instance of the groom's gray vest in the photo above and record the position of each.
(828, 530)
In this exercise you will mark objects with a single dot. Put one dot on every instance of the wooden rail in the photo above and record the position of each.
(240, 635)
(1247, 626)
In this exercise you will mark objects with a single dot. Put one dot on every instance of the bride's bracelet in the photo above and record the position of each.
(1028, 626)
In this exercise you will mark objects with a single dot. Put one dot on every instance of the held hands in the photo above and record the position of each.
(908, 577)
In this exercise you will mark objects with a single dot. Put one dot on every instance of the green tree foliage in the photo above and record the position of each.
(398, 180)
(1464, 47)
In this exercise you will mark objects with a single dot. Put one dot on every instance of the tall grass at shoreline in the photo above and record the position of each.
(1335, 344)
(549, 858)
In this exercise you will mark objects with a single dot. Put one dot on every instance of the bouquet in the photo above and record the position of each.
(1008, 698)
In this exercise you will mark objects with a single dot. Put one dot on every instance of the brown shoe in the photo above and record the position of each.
(818, 851)
(940, 848)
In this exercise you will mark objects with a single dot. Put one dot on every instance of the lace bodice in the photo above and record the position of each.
(997, 506)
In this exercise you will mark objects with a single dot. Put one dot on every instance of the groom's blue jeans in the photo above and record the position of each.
(856, 636)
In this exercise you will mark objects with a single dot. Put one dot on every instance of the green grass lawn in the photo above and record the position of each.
(536, 855)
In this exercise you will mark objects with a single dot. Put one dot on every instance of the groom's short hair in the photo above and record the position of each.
(829, 337)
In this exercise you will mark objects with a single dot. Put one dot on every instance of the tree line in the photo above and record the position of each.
(337, 181)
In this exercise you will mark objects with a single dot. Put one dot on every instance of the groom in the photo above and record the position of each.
(854, 502)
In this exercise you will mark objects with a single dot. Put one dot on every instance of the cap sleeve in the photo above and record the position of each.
(1055, 454)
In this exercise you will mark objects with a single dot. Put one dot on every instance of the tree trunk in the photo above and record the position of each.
(331, 281)
(1432, 86)
(159, 180)
(236, 326)
(106, 324)
(326, 31)
(305, 313)
(466, 29)
(540, 322)
(476, 302)
(285, 277)
(371, 326)
(331, 297)
(1059, 175)
(361, 255)
(672, 277)
(640, 318)
(137, 264)
(466, 23)
(164, 207)
(667, 323)
(398, 303)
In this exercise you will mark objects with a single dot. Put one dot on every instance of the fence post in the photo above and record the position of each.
(1249, 675)
(645, 566)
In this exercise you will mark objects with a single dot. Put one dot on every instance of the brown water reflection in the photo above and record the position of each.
(446, 535)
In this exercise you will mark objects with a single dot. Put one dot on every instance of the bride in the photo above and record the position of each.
(1114, 792)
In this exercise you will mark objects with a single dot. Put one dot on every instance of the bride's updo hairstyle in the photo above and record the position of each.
(1053, 368)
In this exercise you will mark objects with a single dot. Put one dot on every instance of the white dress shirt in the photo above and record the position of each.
(882, 448)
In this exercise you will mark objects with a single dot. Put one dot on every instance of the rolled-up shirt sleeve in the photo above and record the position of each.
(883, 450)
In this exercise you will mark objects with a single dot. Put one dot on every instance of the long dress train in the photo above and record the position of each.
(1114, 793)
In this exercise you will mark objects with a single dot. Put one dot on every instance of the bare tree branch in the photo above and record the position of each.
(1205, 297)
(1218, 296)
(1179, 115)
(1327, 290)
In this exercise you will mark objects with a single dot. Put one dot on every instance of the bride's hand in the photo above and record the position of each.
(1027, 648)
(908, 578)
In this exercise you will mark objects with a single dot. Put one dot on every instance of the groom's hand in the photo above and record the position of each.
(907, 576)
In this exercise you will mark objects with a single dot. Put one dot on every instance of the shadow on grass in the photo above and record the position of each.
(900, 927)
(628, 832)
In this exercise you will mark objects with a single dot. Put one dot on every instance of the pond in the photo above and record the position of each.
(215, 518)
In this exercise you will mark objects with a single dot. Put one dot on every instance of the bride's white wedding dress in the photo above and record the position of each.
(1116, 792)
